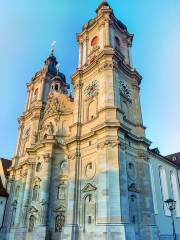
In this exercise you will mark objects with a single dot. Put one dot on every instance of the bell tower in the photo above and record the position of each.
(46, 80)
(112, 190)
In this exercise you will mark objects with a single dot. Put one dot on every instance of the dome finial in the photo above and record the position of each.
(53, 44)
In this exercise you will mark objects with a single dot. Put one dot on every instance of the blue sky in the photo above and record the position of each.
(27, 29)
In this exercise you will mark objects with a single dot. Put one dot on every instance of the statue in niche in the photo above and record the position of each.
(49, 129)
(31, 223)
(59, 223)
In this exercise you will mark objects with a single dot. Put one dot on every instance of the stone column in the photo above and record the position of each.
(149, 229)
(45, 189)
(26, 196)
(27, 101)
(80, 54)
(106, 33)
(87, 42)
(42, 89)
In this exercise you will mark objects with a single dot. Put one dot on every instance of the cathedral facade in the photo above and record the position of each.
(81, 167)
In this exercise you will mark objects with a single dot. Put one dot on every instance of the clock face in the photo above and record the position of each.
(91, 89)
(124, 89)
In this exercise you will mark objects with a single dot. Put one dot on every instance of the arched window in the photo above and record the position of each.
(94, 41)
(31, 223)
(17, 191)
(56, 87)
(164, 189)
(175, 192)
(117, 42)
(92, 110)
(89, 212)
(35, 193)
(38, 167)
(59, 222)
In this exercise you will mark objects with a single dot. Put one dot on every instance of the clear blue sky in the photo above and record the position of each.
(28, 27)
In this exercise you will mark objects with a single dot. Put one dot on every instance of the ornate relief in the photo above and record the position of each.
(59, 222)
(108, 143)
(26, 132)
(32, 210)
(106, 66)
(91, 89)
(58, 103)
(61, 208)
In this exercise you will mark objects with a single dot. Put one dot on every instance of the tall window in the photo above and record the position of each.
(175, 193)
(164, 189)
(92, 110)
(153, 189)
(35, 193)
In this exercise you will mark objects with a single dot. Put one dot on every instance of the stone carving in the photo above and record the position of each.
(132, 188)
(49, 129)
(59, 222)
(88, 188)
(58, 103)
(61, 208)
(106, 66)
(125, 90)
(26, 132)
(90, 170)
(108, 143)
(32, 210)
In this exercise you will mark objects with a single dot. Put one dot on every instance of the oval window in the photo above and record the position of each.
(95, 41)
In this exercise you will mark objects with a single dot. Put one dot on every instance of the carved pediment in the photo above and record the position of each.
(61, 208)
(32, 209)
(89, 188)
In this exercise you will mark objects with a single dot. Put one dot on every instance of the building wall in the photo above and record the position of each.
(2, 208)
(162, 214)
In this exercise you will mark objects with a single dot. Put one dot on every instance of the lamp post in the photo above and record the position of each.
(171, 205)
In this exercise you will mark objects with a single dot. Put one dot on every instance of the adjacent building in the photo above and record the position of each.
(4, 165)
